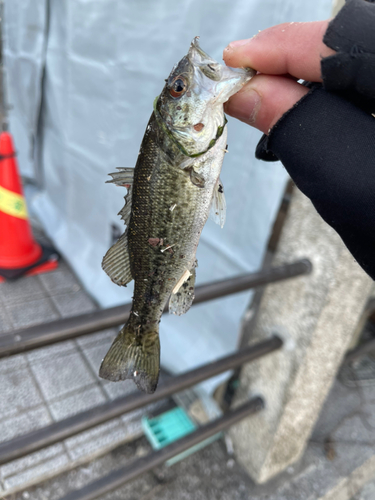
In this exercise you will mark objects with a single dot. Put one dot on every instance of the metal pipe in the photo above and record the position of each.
(118, 478)
(58, 431)
(68, 328)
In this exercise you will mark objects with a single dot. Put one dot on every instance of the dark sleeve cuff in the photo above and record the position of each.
(352, 35)
(327, 145)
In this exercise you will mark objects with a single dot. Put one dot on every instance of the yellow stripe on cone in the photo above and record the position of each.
(12, 204)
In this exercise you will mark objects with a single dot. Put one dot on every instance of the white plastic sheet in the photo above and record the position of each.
(105, 61)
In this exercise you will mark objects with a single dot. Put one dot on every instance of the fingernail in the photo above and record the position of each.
(245, 106)
(238, 43)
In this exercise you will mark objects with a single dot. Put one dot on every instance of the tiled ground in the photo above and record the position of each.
(342, 471)
(50, 384)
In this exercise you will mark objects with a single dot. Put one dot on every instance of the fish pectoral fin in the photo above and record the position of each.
(218, 206)
(197, 179)
(116, 262)
(132, 357)
(183, 296)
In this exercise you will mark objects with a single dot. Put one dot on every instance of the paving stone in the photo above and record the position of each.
(104, 337)
(119, 389)
(132, 422)
(31, 313)
(23, 423)
(60, 281)
(52, 352)
(21, 291)
(44, 469)
(105, 436)
(5, 323)
(16, 466)
(95, 355)
(77, 402)
(55, 489)
(73, 304)
(61, 375)
(18, 392)
(13, 363)
(354, 430)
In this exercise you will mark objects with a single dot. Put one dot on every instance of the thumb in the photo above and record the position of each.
(263, 101)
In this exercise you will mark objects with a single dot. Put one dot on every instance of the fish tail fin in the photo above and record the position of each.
(134, 357)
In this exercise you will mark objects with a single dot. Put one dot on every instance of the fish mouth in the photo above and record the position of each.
(226, 81)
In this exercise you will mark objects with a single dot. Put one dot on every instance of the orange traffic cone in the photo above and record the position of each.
(19, 253)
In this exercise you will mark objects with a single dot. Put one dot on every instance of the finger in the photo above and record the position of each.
(263, 101)
(294, 48)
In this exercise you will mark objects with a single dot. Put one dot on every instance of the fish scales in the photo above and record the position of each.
(155, 269)
(176, 178)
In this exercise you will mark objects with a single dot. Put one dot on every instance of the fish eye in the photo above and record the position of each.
(178, 87)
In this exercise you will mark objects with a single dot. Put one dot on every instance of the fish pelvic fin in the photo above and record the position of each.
(134, 356)
(183, 294)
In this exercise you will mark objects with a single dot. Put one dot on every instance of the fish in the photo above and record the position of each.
(170, 193)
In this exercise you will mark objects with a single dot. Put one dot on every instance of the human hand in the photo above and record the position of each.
(282, 54)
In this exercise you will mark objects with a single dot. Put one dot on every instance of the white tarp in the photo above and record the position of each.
(104, 62)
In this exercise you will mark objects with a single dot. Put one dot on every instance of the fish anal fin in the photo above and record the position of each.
(116, 262)
(182, 298)
(133, 357)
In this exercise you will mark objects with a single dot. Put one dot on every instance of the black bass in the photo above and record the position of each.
(171, 191)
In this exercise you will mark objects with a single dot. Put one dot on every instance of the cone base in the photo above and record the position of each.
(20, 262)
(47, 262)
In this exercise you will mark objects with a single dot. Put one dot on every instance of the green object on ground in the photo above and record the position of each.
(169, 427)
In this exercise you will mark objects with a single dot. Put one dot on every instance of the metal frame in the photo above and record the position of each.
(46, 334)
(50, 333)
(118, 478)
(41, 438)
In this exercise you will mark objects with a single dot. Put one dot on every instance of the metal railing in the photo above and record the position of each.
(46, 334)
(46, 436)
(69, 328)
(118, 478)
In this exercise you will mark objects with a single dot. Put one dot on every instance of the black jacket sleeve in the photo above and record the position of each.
(327, 141)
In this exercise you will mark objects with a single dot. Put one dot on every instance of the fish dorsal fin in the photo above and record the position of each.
(219, 206)
(124, 177)
(180, 301)
(127, 208)
(116, 262)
